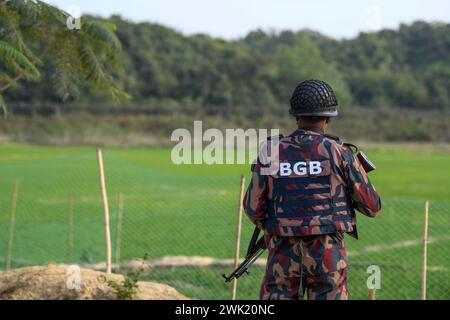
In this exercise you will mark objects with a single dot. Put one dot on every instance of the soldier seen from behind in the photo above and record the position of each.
(307, 206)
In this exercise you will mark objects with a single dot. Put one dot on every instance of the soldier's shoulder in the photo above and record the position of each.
(265, 150)
(332, 137)
(336, 142)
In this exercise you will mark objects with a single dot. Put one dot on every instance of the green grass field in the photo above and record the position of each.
(190, 210)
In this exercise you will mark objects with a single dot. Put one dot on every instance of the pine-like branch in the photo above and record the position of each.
(103, 32)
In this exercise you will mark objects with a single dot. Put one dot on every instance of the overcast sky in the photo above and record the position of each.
(234, 18)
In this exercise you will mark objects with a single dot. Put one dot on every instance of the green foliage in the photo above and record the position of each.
(3, 105)
(35, 40)
(9, 53)
(101, 31)
(127, 289)
(406, 68)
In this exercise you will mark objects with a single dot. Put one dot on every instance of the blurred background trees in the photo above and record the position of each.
(407, 68)
(172, 79)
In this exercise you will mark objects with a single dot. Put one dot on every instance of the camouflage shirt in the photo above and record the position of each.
(317, 187)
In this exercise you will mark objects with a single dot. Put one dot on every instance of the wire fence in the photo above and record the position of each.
(51, 211)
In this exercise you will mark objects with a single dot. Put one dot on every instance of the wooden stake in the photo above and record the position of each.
(119, 229)
(105, 209)
(424, 252)
(372, 294)
(12, 224)
(70, 227)
(238, 234)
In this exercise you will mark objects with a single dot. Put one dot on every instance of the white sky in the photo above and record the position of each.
(235, 18)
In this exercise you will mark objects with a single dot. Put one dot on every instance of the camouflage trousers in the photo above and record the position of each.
(315, 264)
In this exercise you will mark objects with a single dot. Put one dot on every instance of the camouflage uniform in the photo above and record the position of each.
(301, 211)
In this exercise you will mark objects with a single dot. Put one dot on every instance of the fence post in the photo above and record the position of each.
(105, 209)
(119, 229)
(238, 234)
(424, 252)
(372, 294)
(12, 225)
(70, 227)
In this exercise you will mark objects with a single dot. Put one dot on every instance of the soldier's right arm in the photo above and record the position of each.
(365, 198)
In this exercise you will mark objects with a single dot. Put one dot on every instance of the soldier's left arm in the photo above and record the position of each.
(255, 199)
(365, 198)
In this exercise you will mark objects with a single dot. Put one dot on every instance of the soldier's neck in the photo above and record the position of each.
(312, 128)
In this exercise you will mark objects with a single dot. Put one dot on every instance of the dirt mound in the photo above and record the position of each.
(57, 282)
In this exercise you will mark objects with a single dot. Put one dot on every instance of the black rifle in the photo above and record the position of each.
(363, 159)
(255, 249)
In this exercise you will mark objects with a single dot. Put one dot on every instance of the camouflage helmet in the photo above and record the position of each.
(313, 98)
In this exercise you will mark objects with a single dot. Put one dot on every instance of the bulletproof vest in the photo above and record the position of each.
(308, 194)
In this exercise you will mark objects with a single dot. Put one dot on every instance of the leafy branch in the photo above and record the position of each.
(34, 35)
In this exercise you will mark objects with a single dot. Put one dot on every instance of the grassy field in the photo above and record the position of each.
(191, 210)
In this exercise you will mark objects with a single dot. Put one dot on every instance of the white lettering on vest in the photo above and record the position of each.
(285, 169)
(315, 167)
(300, 168)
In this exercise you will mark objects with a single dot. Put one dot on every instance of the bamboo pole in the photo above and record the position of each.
(105, 209)
(372, 294)
(70, 227)
(238, 234)
(119, 229)
(424, 252)
(12, 225)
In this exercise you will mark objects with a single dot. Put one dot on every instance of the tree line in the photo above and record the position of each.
(407, 68)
